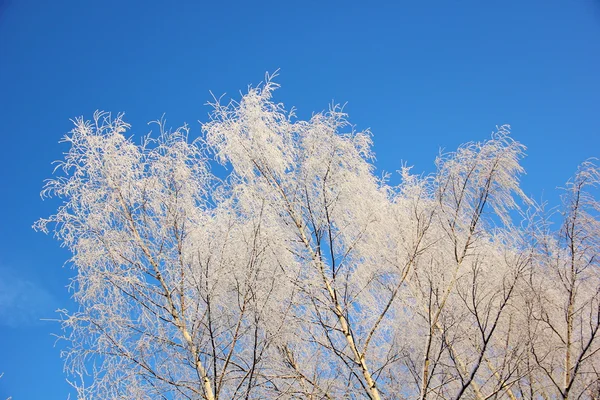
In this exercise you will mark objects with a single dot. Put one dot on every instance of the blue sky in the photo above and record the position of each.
(422, 75)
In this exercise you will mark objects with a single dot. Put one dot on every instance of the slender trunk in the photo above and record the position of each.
(177, 320)
(569, 344)
(359, 358)
(504, 386)
(570, 310)
(425, 379)
(433, 327)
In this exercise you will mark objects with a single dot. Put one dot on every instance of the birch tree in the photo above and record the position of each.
(564, 305)
(295, 272)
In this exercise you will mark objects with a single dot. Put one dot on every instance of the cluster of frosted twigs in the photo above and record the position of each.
(298, 274)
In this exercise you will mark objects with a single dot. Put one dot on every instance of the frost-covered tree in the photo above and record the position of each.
(297, 273)
(563, 308)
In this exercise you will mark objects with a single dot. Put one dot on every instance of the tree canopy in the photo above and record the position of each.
(298, 273)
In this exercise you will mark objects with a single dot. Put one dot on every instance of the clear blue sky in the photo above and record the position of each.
(421, 74)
